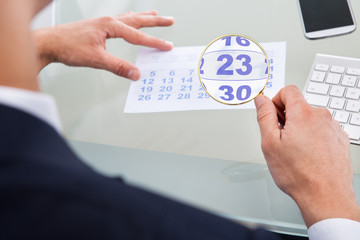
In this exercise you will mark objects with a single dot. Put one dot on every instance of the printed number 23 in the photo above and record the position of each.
(229, 60)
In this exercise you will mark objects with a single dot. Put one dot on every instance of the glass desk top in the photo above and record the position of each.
(182, 154)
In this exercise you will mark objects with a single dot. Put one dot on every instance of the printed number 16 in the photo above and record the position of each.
(239, 40)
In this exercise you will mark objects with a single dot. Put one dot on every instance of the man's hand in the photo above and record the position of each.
(308, 156)
(83, 43)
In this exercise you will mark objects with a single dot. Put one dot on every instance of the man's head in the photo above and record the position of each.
(18, 60)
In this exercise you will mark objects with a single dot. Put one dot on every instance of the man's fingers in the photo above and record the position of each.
(154, 21)
(139, 21)
(115, 28)
(151, 12)
(267, 117)
(120, 30)
(119, 67)
(144, 19)
(291, 100)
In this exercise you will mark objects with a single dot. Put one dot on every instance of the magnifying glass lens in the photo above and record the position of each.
(234, 69)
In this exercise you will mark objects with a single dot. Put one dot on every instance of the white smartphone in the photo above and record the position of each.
(324, 18)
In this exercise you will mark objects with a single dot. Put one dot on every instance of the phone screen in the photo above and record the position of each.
(325, 14)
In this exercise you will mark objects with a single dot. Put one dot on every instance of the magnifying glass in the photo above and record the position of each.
(234, 69)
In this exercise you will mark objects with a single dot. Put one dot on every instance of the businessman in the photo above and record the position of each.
(48, 193)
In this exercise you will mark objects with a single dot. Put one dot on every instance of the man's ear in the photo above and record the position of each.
(39, 5)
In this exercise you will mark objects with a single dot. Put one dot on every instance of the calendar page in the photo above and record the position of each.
(169, 81)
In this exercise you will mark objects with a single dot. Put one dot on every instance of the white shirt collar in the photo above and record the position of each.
(40, 105)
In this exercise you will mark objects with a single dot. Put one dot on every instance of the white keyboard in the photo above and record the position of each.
(334, 83)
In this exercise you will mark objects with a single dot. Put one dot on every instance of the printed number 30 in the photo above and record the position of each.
(229, 96)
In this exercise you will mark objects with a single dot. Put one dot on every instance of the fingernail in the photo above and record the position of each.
(169, 17)
(132, 75)
(169, 43)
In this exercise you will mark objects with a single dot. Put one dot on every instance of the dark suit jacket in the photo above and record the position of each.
(47, 192)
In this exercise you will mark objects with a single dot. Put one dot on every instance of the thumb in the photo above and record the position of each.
(266, 116)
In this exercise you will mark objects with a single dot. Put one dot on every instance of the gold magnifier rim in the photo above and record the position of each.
(248, 38)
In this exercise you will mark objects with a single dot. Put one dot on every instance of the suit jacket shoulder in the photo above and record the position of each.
(47, 192)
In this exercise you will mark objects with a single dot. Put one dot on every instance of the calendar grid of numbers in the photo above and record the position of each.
(169, 80)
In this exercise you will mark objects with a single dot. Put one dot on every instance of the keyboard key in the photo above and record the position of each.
(337, 91)
(352, 131)
(317, 100)
(353, 71)
(318, 76)
(341, 116)
(333, 78)
(337, 69)
(322, 67)
(337, 103)
(318, 88)
(353, 93)
(355, 119)
(349, 81)
(353, 106)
